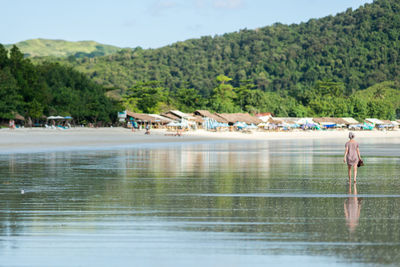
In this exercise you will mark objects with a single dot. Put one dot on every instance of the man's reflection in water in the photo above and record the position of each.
(352, 208)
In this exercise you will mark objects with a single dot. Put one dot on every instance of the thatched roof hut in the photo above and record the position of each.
(208, 114)
(161, 119)
(350, 121)
(140, 117)
(275, 121)
(170, 116)
(374, 121)
(324, 120)
(264, 116)
(18, 116)
(232, 118)
(387, 122)
(197, 118)
(180, 115)
(289, 120)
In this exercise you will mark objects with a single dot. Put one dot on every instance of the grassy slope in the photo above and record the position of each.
(61, 48)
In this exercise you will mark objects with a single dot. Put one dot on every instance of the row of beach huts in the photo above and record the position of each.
(204, 119)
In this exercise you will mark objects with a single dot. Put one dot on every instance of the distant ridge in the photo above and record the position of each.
(356, 47)
(62, 48)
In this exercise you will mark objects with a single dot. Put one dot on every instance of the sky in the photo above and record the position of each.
(152, 23)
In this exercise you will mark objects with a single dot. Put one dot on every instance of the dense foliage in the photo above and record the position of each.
(49, 89)
(358, 48)
(343, 65)
(288, 66)
(326, 99)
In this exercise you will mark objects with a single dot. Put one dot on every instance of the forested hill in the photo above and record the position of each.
(34, 91)
(61, 48)
(359, 48)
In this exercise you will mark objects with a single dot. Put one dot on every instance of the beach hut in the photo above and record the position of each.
(208, 114)
(396, 124)
(373, 121)
(140, 120)
(161, 119)
(210, 121)
(19, 120)
(232, 118)
(352, 124)
(264, 116)
(170, 116)
(304, 121)
(350, 121)
(18, 117)
(188, 119)
(330, 122)
(387, 125)
(289, 122)
(181, 115)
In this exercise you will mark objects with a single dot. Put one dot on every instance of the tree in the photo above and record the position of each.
(330, 88)
(10, 100)
(223, 96)
(147, 97)
(188, 100)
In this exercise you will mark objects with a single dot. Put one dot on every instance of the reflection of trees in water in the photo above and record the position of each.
(169, 183)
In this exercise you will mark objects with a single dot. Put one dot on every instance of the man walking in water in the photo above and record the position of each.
(352, 156)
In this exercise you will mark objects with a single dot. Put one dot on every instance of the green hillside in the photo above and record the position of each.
(61, 48)
(357, 47)
(50, 89)
(341, 66)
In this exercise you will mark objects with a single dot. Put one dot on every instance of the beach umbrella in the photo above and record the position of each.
(68, 117)
(55, 118)
(240, 125)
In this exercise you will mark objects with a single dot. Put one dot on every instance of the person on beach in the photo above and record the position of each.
(11, 124)
(352, 156)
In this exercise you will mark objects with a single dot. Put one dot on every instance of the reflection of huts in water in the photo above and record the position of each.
(232, 118)
(330, 122)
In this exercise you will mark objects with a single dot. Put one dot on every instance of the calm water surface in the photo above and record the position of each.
(204, 204)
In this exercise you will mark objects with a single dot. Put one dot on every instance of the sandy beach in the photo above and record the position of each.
(39, 139)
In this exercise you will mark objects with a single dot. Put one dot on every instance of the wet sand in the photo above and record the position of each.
(39, 139)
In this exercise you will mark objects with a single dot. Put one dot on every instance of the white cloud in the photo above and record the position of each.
(228, 4)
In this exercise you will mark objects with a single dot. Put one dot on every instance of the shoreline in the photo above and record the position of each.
(25, 140)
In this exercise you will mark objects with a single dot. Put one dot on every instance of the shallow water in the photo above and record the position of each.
(204, 204)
